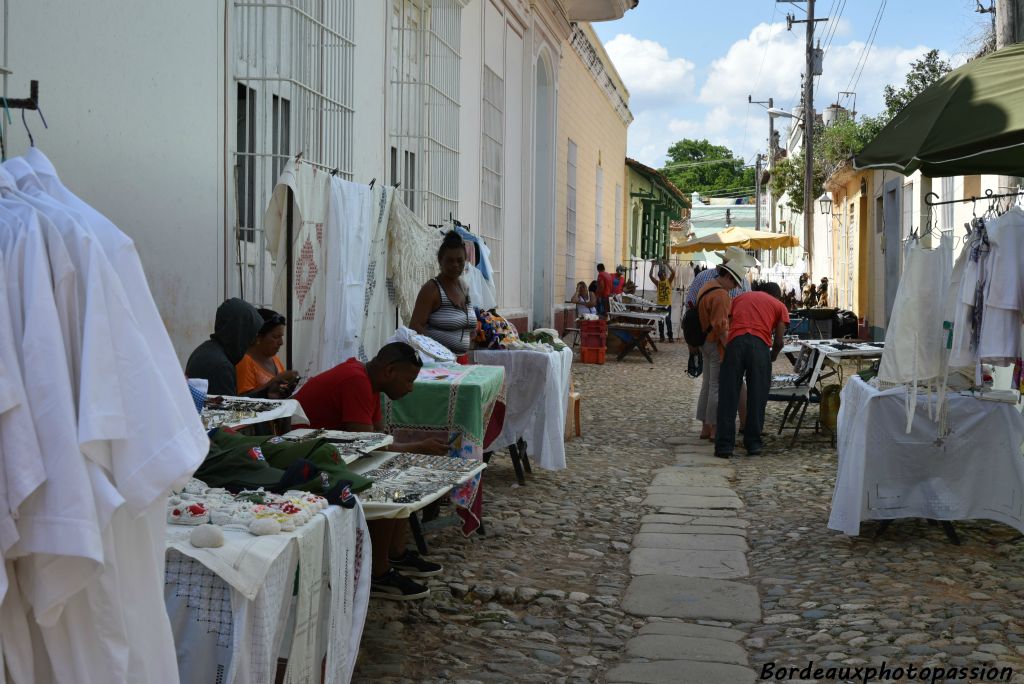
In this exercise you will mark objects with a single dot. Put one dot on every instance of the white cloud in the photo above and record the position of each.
(651, 76)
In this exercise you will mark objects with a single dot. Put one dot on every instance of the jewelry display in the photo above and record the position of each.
(218, 411)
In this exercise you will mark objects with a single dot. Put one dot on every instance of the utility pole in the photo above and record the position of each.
(769, 104)
(771, 164)
(757, 193)
(809, 74)
(1008, 18)
(1008, 21)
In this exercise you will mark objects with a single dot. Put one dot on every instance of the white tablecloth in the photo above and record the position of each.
(537, 389)
(975, 473)
(222, 634)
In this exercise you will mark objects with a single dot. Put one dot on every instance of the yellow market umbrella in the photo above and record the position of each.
(745, 238)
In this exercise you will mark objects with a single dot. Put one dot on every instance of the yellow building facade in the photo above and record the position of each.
(590, 179)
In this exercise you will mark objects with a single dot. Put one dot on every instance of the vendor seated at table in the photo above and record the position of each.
(235, 329)
(347, 397)
(260, 370)
(443, 311)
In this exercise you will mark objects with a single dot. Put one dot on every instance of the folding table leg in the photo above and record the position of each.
(417, 533)
(950, 531)
(487, 456)
(799, 423)
(525, 456)
(517, 464)
(785, 416)
(882, 528)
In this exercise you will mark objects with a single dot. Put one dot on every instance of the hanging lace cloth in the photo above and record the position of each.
(915, 342)
(412, 256)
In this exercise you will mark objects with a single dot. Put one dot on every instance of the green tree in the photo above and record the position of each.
(699, 166)
(923, 72)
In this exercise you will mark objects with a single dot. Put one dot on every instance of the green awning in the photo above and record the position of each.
(969, 122)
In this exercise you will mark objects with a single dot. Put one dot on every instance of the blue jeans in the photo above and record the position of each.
(666, 325)
(745, 355)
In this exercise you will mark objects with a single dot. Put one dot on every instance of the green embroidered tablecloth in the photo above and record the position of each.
(449, 398)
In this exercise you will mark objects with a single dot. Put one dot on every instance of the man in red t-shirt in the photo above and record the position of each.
(604, 290)
(756, 334)
(347, 397)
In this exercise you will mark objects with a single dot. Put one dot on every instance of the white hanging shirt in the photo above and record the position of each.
(123, 257)
(159, 451)
(57, 523)
(1000, 341)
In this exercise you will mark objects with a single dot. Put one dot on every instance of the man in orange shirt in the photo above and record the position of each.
(756, 335)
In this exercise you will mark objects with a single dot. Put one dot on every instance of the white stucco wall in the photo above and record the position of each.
(133, 95)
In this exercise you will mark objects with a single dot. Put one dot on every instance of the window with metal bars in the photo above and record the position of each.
(293, 67)
(570, 221)
(617, 253)
(424, 110)
(492, 164)
(598, 210)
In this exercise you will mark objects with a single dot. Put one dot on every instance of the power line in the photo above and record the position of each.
(862, 63)
(727, 160)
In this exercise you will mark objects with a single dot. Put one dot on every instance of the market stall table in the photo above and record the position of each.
(233, 611)
(449, 401)
(535, 407)
(454, 403)
(975, 473)
(634, 336)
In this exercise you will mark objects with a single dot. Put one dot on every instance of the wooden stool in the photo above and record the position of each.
(573, 412)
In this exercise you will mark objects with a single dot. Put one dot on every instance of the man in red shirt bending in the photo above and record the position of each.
(347, 397)
(756, 335)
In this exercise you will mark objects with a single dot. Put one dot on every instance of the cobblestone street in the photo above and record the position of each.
(541, 597)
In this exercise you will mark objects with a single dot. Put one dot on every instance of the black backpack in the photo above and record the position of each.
(694, 335)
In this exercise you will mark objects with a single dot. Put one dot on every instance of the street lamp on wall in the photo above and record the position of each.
(825, 202)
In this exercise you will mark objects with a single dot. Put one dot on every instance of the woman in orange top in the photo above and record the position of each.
(260, 368)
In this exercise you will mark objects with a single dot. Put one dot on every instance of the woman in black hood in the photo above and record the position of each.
(236, 326)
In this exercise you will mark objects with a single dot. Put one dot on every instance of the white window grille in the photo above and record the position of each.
(907, 219)
(570, 221)
(617, 253)
(292, 92)
(598, 210)
(492, 169)
(948, 188)
(424, 110)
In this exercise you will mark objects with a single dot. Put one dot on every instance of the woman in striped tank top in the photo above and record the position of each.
(443, 311)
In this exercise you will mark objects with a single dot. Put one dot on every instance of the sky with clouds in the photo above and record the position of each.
(690, 64)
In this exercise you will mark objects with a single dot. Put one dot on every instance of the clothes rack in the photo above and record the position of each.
(989, 195)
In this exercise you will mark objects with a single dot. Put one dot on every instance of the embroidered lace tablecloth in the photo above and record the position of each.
(884, 473)
(222, 635)
(535, 407)
(451, 399)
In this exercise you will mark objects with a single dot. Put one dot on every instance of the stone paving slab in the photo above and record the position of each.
(692, 598)
(691, 490)
(728, 514)
(680, 672)
(693, 459)
(680, 477)
(689, 542)
(706, 564)
(667, 647)
(678, 528)
(693, 519)
(693, 501)
(713, 470)
(690, 629)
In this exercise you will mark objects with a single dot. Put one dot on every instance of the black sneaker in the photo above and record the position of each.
(413, 565)
(395, 587)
